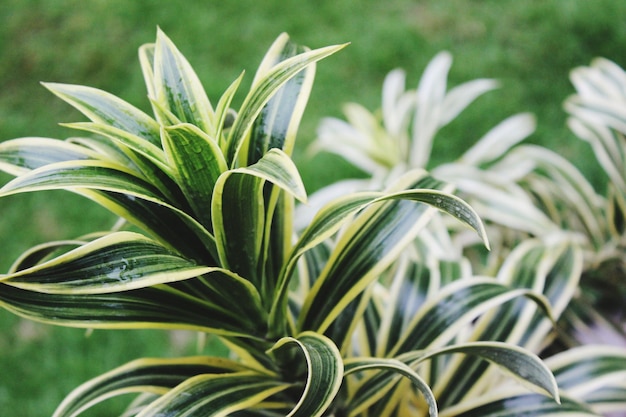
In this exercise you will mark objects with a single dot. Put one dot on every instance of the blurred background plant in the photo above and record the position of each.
(530, 47)
(528, 195)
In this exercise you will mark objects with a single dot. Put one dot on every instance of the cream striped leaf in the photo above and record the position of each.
(156, 376)
(323, 366)
(263, 90)
(104, 108)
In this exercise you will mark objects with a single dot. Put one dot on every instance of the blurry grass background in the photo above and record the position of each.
(530, 46)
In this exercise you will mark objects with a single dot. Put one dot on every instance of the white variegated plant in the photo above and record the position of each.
(549, 230)
(598, 116)
(335, 319)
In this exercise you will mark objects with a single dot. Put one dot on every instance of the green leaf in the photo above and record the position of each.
(371, 391)
(89, 174)
(39, 253)
(198, 162)
(153, 152)
(521, 363)
(238, 215)
(222, 110)
(104, 108)
(239, 211)
(278, 122)
(156, 376)
(277, 167)
(593, 374)
(371, 242)
(177, 87)
(173, 306)
(324, 371)
(216, 395)
(451, 308)
(19, 156)
(120, 261)
(119, 190)
(551, 269)
(413, 283)
(263, 90)
(170, 225)
(146, 60)
(512, 403)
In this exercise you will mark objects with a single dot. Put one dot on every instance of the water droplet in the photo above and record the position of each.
(122, 272)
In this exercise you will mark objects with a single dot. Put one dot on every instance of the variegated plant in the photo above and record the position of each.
(548, 228)
(316, 322)
(598, 116)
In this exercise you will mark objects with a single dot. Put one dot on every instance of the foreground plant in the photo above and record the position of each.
(209, 193)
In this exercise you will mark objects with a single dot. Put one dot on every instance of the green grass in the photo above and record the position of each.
(530, 46)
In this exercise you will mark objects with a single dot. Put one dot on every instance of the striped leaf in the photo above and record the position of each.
(500, 139)
(521, 364)
(239, 212)
(89, 174)
(177, 87)
(155, 376)
(275, 128)
(413, 284)
(551, 270)
(453, 307)
(263, 90)
(512, 403)
(371, 391)
(18, 156)
(160, 307)
(119, 261)
(461, 96)
(323, 366)
(118, 189)
(104, 108)
(594, 374)
(238, 217)
(223, 112)
(171, 226)
(525, 366)
(197, 162)
(39, 253)
(215, 395)
(277, 167)
(117, 281)
(571, 187)
(137, 144)
(277, 123)
(607, 146)
(368, 245)
(115, 145)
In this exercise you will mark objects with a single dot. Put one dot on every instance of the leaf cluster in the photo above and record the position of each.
(349, 311)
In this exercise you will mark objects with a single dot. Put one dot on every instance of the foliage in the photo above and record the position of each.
(209, 197)
(550, 231)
